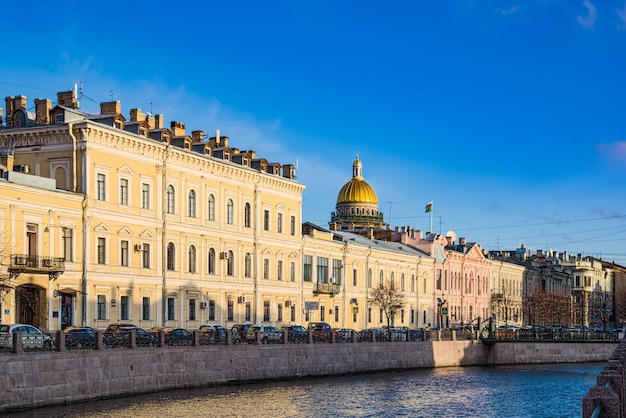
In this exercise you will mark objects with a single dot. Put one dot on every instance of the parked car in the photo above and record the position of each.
(322, 331)
(79, 338)
(379, 334)
(268, 334)
(174, 336)
(216, 334)
(32, 338)
(296, 333)
(240, 329)
(117, 335)
(344, 335)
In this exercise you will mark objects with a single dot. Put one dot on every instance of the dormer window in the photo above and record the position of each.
(58, 117)
(118, 124)
(19, 119)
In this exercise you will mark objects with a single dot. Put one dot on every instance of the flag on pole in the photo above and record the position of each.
(429, 207)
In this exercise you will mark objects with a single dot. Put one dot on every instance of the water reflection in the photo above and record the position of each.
(515, 391)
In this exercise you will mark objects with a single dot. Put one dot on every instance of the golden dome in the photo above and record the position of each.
(357, 191)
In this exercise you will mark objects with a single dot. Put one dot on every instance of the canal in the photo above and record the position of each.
(554, 390)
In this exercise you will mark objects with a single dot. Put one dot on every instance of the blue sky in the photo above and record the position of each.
(508, 115)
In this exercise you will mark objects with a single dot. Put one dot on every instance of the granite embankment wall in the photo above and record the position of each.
(30, 380)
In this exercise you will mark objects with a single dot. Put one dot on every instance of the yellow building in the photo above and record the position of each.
(170, 228)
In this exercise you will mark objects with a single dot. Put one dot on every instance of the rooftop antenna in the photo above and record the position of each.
(295, 172)
(390, 203)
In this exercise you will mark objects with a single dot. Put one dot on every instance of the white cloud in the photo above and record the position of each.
(508, 11)
(592, 14)
(621, 13)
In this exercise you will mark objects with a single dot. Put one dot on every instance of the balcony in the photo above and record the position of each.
(327, 288)
(52, 266)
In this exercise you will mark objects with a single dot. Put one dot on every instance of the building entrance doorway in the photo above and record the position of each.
(28, 305)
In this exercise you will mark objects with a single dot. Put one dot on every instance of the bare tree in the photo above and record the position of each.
(600, 307)
(388, 298)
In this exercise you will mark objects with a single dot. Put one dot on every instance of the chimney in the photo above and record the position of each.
(462, 241)
(7, 161)
(397, 229)
(449, 240)
(198, 136)
(136, 115)
(42, 111)
(9, 107)
(217, 137)
(150, 120)
(178, 128)
(158, 121)
(67, 99)
(418, 234)
(371, 233)
(20, 102)
(110, 108)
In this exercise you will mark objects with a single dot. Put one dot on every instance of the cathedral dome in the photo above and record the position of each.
(357, 190)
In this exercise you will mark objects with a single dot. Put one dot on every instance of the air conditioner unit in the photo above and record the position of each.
(138, 247)
(204, 305)
(224, 255)
(289, 303)
(241, 299)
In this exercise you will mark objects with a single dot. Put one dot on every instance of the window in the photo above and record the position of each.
(293, 313)
(230, 212)
(392, 281)
(145, 196)
(170, 195)
(354, 277)
(336, 313)
(124, 253)
(102, 307)
(124, 308)
(412, 283)
(438, 279)
(307, 268)
(192, 259)
(171, 256)
(211, 310)
(247, 265)
(230, 264)
(211, 265)
(145, 308)
(101, 187)
(211, 204)
(369, 278)
(279, 223)
(292, 271)
(381, 278)
(266, 310)
(266, 269)
(266, 220)
(402, 282)
(280, 313)
(279, 270)
(322, 313)
(192, 309)
(247, 215)
(102, 250)
(67, 244)
(192, 203)
(230, 315)
(369, 314)
(124, 192)
(145, 256)
(292, 226)
(171, 309)
(248, 312)
(336, 271)
(322, 270)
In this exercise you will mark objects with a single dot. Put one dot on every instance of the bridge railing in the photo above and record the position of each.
(607, 398)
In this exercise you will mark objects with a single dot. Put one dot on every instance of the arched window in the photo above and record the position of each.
(230, 264)
(192, 259)
(171, 253)
(392, 281)
(402, 282)
(247, 266)
(170, 199)
(381, 277)
(192, 203)
(230, 209)
(369, 278)
(211, 207)
(211, 261)
(247, 216)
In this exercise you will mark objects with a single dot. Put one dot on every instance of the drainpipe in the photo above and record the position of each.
(164, 235)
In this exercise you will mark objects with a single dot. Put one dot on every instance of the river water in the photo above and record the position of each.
(502, 391)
